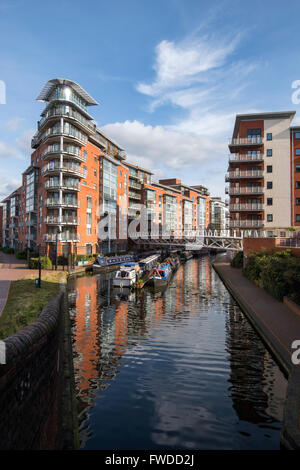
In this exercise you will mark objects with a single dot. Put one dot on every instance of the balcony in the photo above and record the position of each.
(65, 186)
(244, 190)
(58, 131)
(247, 141)
(64, 220)
(72, 115)
(244, 157)
(63, 203)
(134, 195)
(71, 151)
(31, 222)
(61, 237)
(246, 223)
(245, 207)
(235, 175)
(134, 185)
(56, 167)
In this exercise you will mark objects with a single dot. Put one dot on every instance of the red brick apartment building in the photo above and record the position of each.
(74, 170)
(264, 172)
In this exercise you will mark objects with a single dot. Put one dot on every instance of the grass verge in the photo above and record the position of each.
(25, 301)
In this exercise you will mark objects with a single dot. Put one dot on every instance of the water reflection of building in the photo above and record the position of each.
(257, 387)
(107, 322)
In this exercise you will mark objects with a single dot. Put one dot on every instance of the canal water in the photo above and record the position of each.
(177, 369)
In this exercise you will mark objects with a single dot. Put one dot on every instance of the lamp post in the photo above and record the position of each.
(56, 246)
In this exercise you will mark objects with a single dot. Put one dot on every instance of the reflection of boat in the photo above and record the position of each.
(127, 275)
(125, 293)
(161, 275)
(185, 255)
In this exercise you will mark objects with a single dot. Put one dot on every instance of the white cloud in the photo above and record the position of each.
(166, 152)
(181, 65)
(13, 124)
(20, 149)
(8, 188)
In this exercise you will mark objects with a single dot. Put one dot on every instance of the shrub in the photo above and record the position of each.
(21, 254)
(237, 261)
(8, 251)
(278, 273)
(45, 263)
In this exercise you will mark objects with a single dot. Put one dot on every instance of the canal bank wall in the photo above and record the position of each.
(36, 388)
(279, 327)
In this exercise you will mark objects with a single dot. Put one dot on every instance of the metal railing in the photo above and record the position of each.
(64, 202)
(56, 166)
(66, 220)
(245, 207)
(253, 140)
(244, 174)
(64, 185)
(241, 157)
(245, 190)
(61, 237)
(245, 223)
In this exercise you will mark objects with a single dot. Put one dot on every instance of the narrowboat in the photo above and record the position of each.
(147, 263)
(111, 262)
(127, 275)
(161, 275)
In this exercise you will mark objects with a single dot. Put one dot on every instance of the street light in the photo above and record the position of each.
(56, 246)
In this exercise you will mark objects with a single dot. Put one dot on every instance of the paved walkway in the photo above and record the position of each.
(11, 269)
(278, 325)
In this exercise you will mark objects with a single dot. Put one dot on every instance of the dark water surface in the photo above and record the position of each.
(177, 369)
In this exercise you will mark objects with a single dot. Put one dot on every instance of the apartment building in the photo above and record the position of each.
(74, 170)
(264, 164)
(219, 214)
(195, 204)
(79, 179)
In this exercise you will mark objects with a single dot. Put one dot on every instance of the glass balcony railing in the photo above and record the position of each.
(251, 140)
(56, 202)
(61, 237)
(66, 168)
(243, 174)
(244, 157)
(245, 207)
(64, 220)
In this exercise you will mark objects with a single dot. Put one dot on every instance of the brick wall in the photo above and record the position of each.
(30, 383)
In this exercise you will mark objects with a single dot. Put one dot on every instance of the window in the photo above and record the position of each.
(297, 135)
(298, 168)
(95, 187)
(269, 201)
(269, 152)
(269, 184)
(297, 201)
(270, 168)
(297, 217)
(88, 249)
(269, 136)
(95, 173)
(269, 217)
(297, 151)
(95, 158)
(120, 172)
(297, 184)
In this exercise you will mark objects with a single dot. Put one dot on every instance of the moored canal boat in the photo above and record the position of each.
(161, 275)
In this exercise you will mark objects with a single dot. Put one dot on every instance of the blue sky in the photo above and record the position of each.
(169, 75)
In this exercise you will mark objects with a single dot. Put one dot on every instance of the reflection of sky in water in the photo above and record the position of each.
(179, 369)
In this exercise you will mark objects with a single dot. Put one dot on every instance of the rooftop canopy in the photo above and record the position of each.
(51, 84)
